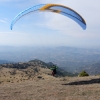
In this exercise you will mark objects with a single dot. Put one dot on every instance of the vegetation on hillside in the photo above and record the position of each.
(83, 74)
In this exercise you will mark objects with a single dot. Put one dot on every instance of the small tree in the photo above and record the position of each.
(83, 74)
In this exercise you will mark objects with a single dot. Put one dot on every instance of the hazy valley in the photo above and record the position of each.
(70, 59)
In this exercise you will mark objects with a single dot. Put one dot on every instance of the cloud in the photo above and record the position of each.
(88, 10)
(3, 21)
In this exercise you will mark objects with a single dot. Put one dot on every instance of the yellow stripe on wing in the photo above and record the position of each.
(48, 6)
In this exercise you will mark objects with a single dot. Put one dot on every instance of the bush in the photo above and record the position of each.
(83, 74)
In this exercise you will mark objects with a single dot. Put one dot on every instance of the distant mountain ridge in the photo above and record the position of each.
(5, 61)
(93, 69)
(36, 64)
(67, 58)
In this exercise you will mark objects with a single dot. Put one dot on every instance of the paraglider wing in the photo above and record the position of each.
(53, 8)
(26, 11)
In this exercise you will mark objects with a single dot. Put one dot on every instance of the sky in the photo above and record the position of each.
(47, 28)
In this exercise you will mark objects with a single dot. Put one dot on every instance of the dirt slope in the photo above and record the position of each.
(36, 83)
(47, 87)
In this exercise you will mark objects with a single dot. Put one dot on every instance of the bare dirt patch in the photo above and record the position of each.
(52, 88)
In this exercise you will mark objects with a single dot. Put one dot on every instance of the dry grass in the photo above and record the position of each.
(46, 87)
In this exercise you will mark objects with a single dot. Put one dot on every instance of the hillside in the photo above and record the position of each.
(33, 81)
(51, 88)
(17, 72)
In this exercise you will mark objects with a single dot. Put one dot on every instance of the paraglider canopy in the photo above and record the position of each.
(56, 8)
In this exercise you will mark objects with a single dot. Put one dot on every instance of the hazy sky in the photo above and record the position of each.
(49, 29)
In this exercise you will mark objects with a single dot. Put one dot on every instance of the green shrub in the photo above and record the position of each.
(83, 74)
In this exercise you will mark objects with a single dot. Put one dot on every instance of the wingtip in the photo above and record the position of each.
(11, 28)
